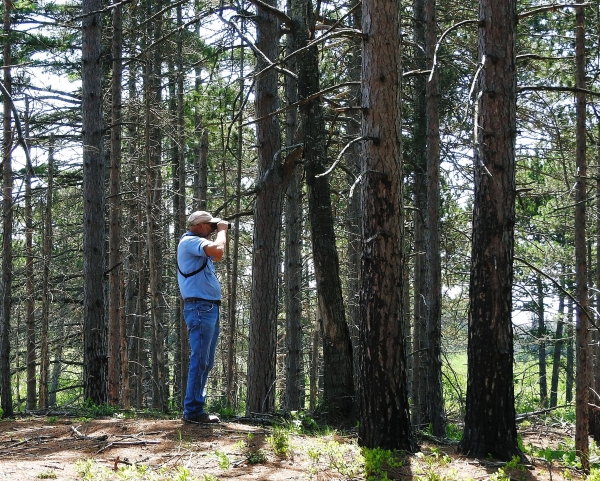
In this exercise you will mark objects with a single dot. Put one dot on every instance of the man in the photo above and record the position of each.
(201, 292)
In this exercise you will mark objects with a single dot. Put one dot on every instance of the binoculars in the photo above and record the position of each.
(213, 225)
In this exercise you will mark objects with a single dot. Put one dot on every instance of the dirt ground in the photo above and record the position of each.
(63, 448)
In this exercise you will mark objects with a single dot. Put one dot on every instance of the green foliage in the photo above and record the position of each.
(47, 475)
(257, 457)
(1, 413)
(454, 431)
(90, 471)
(224, 462)
(378, 462)
(279, 441)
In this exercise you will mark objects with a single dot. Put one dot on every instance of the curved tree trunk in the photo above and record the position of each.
(338, 382)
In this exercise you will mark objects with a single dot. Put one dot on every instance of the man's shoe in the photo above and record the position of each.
(203, 418)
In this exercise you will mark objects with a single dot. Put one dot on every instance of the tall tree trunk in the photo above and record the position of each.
(7, 224)
(338, 382)
(153, 219)
(30, 281)
(95, 369)
(383, 398)
(490, 411)
(584, 366)
(294, 379)
(435, 399)
(594, 413)
(179, 198)
(115, 273)
(419, 412)
(47, 242)
(353, 213)
(233, 294)
(268, 208)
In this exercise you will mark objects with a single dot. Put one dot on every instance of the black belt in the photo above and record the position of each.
(199, 299)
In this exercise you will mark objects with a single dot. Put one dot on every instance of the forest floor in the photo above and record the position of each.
(67, 448)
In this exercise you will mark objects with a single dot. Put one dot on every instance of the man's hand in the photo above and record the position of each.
(222, 225)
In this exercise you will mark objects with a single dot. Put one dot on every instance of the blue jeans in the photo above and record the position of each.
(202, 319)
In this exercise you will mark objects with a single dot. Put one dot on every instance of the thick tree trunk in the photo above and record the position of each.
(490, 412)
(383, 398)
(95, 369)
(267, 219)
(294, 382)
(584, 361)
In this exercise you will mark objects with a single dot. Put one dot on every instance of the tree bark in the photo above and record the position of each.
(294, 380)
(338, 382)
(95, 368)
(383, 398)
(115, 275)
(584, 366)
(420, 346)
(541, 341)
(490, 427)
(267, 219)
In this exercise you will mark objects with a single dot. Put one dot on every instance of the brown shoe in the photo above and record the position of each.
(203, 418)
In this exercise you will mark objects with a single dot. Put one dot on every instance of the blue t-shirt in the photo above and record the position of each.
(190, 257)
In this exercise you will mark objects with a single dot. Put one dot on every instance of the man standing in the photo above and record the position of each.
(201, 292)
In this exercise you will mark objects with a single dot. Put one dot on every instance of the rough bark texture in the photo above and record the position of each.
(7, 225)
(383, 399)
(95, 369)
(294, 382)
(419, 411)
(490, 412)
(115, 311)
(338, 382)
(267, 227)
(584, 360)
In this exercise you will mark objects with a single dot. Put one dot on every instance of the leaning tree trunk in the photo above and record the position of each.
(338, 381)
(383, 398)
(490, 427)
(95, 369)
